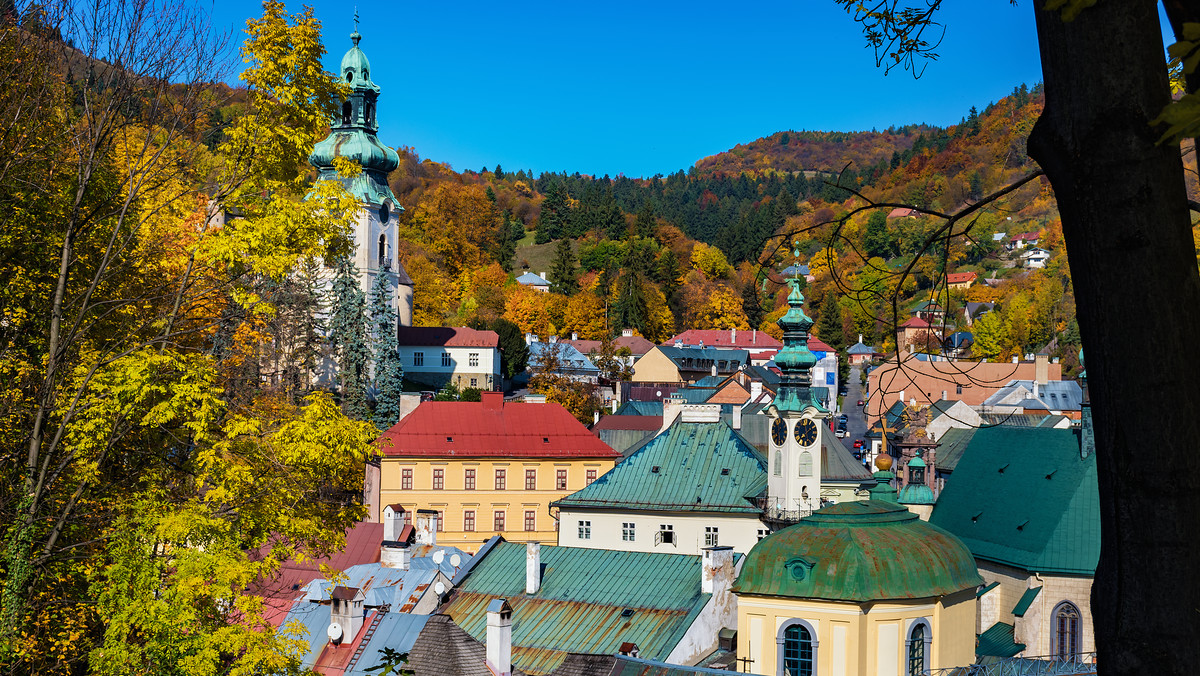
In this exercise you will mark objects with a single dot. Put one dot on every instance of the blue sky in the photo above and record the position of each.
(650, 87)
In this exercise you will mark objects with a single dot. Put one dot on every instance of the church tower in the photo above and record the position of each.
(799, 425)
(353, 137)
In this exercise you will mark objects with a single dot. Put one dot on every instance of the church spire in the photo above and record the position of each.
(795, 360)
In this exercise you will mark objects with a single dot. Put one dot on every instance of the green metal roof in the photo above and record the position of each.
(1026, 599)
(640, 408)
(951, 446)
(988, 588)
(998, 641)
(859, 551)
(1025, 497)
(916, 494)
(681, 470)
(580, 606)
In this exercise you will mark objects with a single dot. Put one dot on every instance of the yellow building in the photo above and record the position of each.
(857, 588)
(489, 467)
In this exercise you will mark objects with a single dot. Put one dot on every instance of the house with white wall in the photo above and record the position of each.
(439, 355)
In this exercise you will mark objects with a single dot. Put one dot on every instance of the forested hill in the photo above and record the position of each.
(865, 152)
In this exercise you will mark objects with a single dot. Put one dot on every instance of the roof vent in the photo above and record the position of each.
(654, 469)
(449, 440)
(975, 519)
(1021, 526)
(724, 471)
(1004, 467)
(545, 440)
(628, 612)
(1051, 474)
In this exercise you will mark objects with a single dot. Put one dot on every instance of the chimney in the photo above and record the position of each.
(614, 405)
(671, 407)
(574, 336)
(678, 342)
(754, 337)
(626, 333)
(426, 526)
(755, 389)
(553, 339)
(737, 417)
(702, 345)
(499, 637)
(346, 613)
(860, 337)
(492, 401)
(395, 555)
(1035, 393)
(393, 522)
(716, 570)
(1016, 359)
(544, 276)
(595, 417)
(714, 368)
(533, 567)
(943, 395)
(1041, 369)
(733, 336)
(530, 338)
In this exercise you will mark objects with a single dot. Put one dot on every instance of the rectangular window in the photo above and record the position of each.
(627, 532)
(474, 382)
(560, 480)
(762, 533)
(591, 476)
(500, 482)
(418, 358)
(585, 530)
(440, 526)
(469, 480)
(439, 479)
(498, 521)
(446, 359)
(666, 535)
(469, 520)
(473, 359)
(958, 389)
(530, 520)
(710, 536)
(531, 479)
(406, 479)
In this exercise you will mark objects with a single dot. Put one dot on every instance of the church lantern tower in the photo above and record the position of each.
(353, 137)
(799, 422)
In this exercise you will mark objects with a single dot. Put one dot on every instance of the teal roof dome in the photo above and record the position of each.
(858, 552)
(358, 147)
(356, 68)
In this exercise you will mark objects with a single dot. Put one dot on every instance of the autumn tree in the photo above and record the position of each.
(548, 378)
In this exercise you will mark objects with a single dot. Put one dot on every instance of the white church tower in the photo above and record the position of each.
(353, 137)
(800, 422)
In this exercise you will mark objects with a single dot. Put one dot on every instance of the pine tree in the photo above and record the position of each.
(562, 272)
(751, 304)
(389, 374)
(876, 241)
(829, 324)
(645, 221)
(555, 214)
(499, 173)
(348, 335)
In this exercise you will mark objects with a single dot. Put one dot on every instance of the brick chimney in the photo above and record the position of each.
(426, 526)
(1041, 369)
(346, 612)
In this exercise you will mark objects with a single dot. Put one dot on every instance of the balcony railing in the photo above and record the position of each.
(775, 512)
(1078, 664)
(385, 263)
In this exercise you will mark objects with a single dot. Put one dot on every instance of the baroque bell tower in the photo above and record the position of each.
(353, 137)
(799, 421)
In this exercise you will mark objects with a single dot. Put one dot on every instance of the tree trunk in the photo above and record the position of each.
(1125, 221)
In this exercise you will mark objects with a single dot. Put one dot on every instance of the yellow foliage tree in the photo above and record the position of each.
(710, 260)
(455, 221)
(722, 310)
(822, 262)
(585, 316)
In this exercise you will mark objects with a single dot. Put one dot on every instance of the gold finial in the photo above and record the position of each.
(884, 462)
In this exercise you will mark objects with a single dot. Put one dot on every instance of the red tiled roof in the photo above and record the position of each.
(901, 212)
(767, 355)
(644, 423)
(960, 277)
(1029, 236)
(915, 323)
(816, 345)
(637, 345)
(744, 340)
(444, 336)
(491, 428)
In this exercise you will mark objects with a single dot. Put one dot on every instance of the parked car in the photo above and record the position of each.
(860, 402)
(858, 443)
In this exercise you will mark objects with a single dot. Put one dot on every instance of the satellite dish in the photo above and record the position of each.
(335, 632)
(439, 588)
(455, 560)
(439, 556)
(658, 393)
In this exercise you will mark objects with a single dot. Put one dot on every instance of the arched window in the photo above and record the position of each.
(797, 649)
(1066, 630)
(920, 635)
(778, 470)
(382, 250)
(347, 112)
(805, 465)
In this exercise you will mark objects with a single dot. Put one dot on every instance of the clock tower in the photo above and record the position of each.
(799, 421)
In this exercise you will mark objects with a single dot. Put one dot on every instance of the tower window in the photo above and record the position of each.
(805, 466)
(797, 649)
(347, 109)
(1066, 630)
(382, 250)
(349, 75)
(384, 213)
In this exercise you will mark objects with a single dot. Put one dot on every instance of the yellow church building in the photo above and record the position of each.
(489, 467)
(857, 588)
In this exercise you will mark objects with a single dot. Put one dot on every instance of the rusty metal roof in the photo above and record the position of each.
(581, 606)
(859, 551)
(703, 467)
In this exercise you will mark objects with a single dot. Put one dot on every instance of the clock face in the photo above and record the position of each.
(806, 432)
(779, 431)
